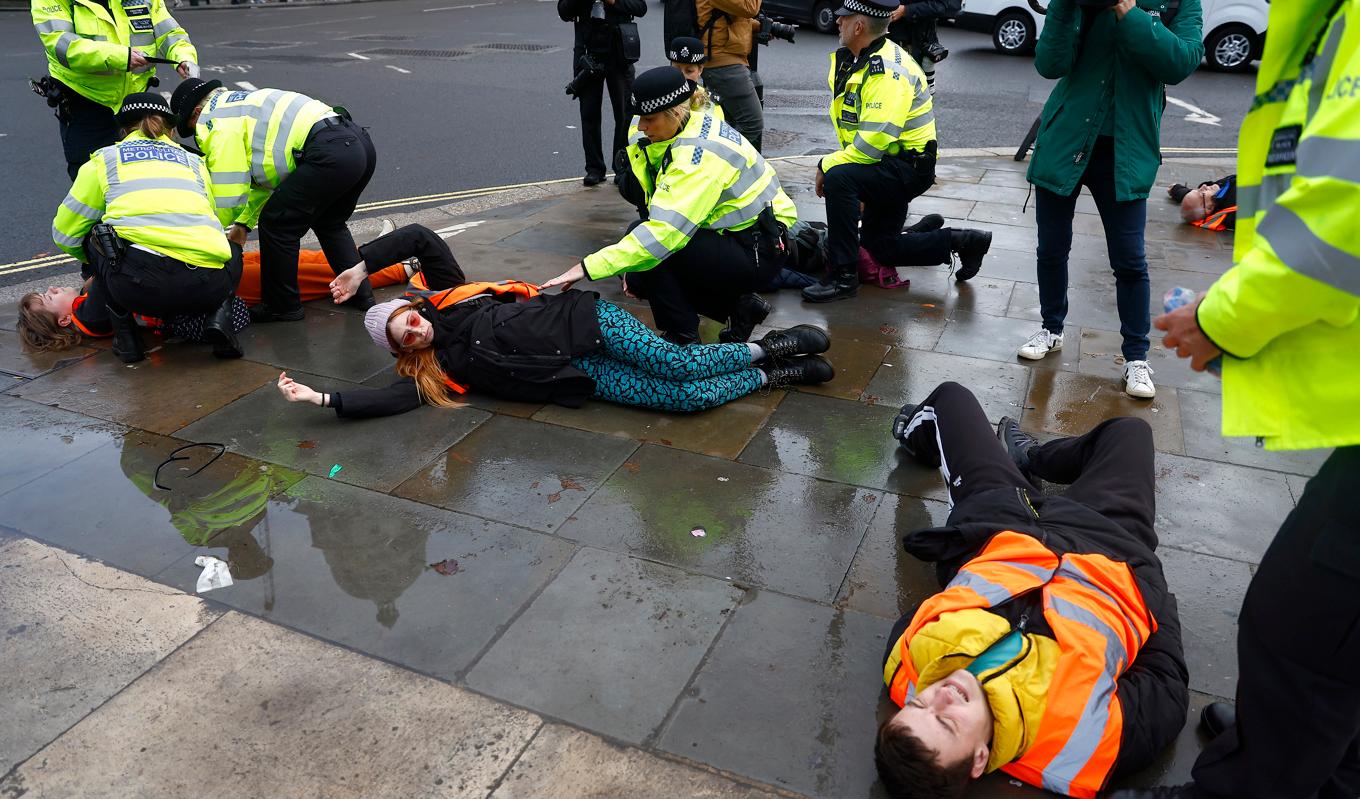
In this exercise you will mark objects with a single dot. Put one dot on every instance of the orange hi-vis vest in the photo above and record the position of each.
(1097, 614)
(419, 289)
(1215, 220)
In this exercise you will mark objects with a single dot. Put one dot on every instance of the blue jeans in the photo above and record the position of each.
(1123, 223)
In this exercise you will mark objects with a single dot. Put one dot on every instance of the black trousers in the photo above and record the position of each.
(1108, 469)
(618, 77)
(155, 285)
(1298, 653)
(335, 166)
(706, 277)
(437, 263)
(85, 127)
(885, 188)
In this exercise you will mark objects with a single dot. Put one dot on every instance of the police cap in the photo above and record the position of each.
(658, 89)
(869, 8)
(137, 105)
(686, 50)
(186, 98)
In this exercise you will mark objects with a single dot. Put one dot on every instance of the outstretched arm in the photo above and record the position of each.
(400, 397)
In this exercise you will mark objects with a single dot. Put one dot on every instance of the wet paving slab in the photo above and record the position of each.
(107, 503)
(1218, 508)
(1209, 593)
(14, 360)
(519, 471)
(39, 438)
(908, 376)
(380, 574)
(374, 453)
(1071, 404)
(996, 338)
(884, 580)
(750, 525)
(1100, 355)
(609, 644)
(565, 239)
(1201, 416)
(855, 363)
(327, 342)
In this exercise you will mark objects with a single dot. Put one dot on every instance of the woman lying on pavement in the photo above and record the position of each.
(509, 340)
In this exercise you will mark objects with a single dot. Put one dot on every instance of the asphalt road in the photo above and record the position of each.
(469, 94)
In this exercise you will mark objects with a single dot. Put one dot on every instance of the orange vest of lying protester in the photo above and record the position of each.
(1217, 220)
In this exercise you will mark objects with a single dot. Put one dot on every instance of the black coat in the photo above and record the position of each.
(916, 30)
(600, 37)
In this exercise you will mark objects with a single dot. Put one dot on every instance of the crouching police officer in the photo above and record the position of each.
(288, 163)
(97, 55)
(885, 123)
(140, 216)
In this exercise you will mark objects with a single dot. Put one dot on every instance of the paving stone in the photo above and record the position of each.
(1198, 259)
(980, 192)
(1209, 593)
(38, 439)
(328, 342)
(932, 203)
(567, 239)
(1218, 508)
(855, 362)
(570, 764)
(884, 580)
(15, 361)
(908, 376)
(76, 633)
(1071, 404)
(722, 432)
(1005, 177)
(274, 713)
(609, 643)
(760, 527)
(959, 172)
(106, 504)
(1094, 307)
(519, 471)
(171, 388)
(846, 442)
(1202, 418)
(1004, 264)
(374, 453)
(785, 670)
(488, 262)
(1174, 765)
(607, 211)
(354, 566)
(873, 316)
(1100, 355)
(997, 338)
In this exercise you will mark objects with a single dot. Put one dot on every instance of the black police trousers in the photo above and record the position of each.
(885, 188)
(156, 285)
(85, 127)
(1298, 655)
(618, 78)
(334, 167)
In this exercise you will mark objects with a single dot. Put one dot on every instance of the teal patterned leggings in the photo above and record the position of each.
(635, 366)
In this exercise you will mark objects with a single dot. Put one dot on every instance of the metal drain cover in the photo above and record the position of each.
(254, 45)
(411, 53)
(519, 47)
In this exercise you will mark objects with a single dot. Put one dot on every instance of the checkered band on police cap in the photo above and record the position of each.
(135, 106)
(869, 8)
(686, 50)
(658, 89)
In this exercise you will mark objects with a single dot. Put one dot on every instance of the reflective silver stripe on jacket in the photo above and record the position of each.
(125, 187)
(171, 41)
(863, 145)
(165, 26)
(1322, 65)
(653, 246)
(54, 25)
(1306, 253)
(81, 209)
(63, 44)
(1318, 157)
(747, 212)
(229, 178)
(62, 238)
(165, 220)
(231, 202)
(675, 219)
(921, 121)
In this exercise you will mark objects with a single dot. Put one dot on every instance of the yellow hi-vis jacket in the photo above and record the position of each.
(250, 141)
(154, 193)
(1289, 311)
(708, 176)
(884, 108)
(88, 45)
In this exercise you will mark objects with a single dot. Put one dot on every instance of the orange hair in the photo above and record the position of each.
(423, 367)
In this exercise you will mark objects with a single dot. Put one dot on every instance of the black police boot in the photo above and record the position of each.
(751, 311)
(1216, 717)
(841, 283)
(1186, 791)
(263, 314)
(1018, 445)
(363, 297)
(969, 246)
(127, 339)
(217, 330)
(809, 370)
(799, 340)
(930, 457)
(926, 224)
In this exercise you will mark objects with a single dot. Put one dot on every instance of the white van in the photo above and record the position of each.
(1234, 30)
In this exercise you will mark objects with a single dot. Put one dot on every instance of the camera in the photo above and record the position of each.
(589, 68)
(769, 29)
(936, 52)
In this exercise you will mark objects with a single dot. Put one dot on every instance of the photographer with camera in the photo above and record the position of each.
(605, 49)
(728, 29)
(913, 27)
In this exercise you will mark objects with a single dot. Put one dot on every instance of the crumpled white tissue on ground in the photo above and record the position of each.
(215, 573)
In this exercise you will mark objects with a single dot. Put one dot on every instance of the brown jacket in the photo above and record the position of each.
(729, 40)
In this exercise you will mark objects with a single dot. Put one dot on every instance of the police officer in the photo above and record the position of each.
(714, 210)
(600, 42)
(160, 250)
(96, 56)
(687, 55)
(885, 123)
(288, 163)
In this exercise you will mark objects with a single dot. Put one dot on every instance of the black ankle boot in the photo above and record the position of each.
(218, 331)
(363, 298)
(969, 246)
(263, 314)
(127, 339)
(926, 224)
(1018, 445)
(751, 311)
(841, 283)
(809, 370)
(799, 340)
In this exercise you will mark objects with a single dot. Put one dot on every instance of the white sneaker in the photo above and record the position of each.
(387, 227)
(1138, 380)
(1040, 344)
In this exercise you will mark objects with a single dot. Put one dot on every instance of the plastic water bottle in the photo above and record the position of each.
(1180, 297)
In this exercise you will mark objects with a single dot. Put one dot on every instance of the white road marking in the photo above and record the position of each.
(360, 57)
(247, 85)
(455, 8)
(453, 230)
(1196, 114)
(399, 69)
(322, 22)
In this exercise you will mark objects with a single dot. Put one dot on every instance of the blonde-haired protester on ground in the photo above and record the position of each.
(509, 340)
(716, 215)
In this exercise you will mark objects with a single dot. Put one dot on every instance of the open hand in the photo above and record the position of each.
(567, 278)
(347, 282)
(1184, 337)
(294, 391)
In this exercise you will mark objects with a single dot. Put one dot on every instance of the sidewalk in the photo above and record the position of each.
(587, 641)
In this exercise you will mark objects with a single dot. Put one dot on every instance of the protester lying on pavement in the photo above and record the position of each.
(1212, 205)
(715, 218)
(1053, 652)
(510, 340)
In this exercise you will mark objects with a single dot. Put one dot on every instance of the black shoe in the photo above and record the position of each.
(969, 246)
(263, 314)
(899, 431)
(1216, 717)
(839, 284)
(1186, 791)
(751, 311)
(798, 340)
(809, 370)
(1018, 445)
(591, 179)
(681, 340)
(926, 224)
(363, 297)
(127, 339)
(217, 330)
